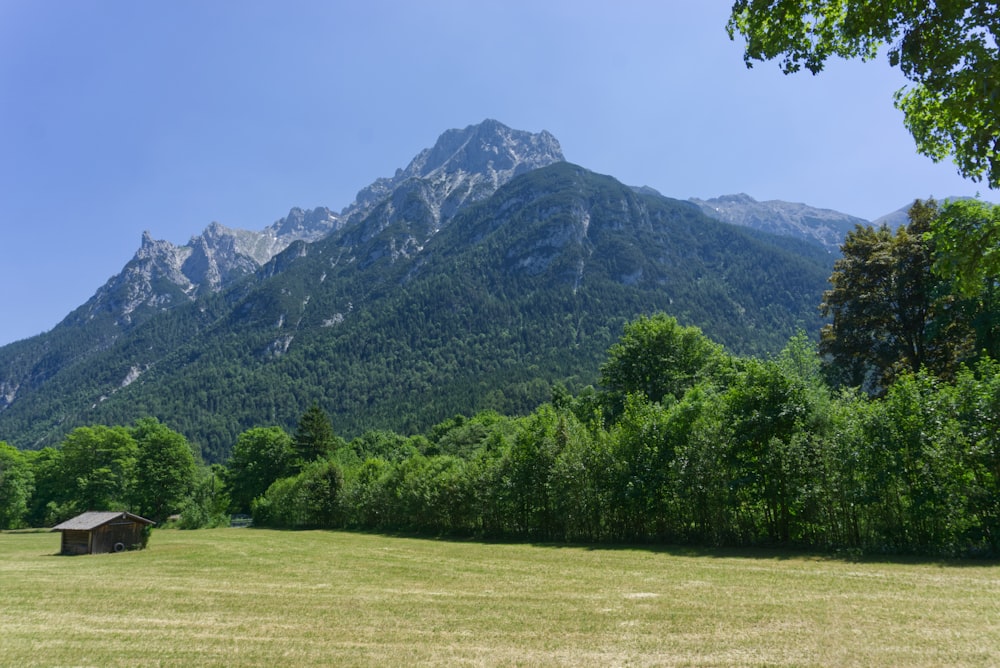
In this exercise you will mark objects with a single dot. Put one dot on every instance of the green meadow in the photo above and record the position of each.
(250, 597)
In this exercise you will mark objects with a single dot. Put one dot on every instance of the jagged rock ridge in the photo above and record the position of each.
(162, 275)
(464, 166)
(823, 226)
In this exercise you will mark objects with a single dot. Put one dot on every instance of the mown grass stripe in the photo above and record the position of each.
(250, 597)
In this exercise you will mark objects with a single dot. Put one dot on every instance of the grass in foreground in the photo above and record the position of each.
(244, 597)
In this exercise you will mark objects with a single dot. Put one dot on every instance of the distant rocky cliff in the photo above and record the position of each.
(463, 166)
(823, 226)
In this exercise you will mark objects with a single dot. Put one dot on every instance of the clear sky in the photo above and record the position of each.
(119, 116)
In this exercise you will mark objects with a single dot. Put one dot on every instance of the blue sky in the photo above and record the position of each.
(119, 116)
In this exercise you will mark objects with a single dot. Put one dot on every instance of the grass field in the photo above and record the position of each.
(247, 597)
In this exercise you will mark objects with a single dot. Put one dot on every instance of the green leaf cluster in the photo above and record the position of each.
(922, 297)
(17, 485)
(947, 50)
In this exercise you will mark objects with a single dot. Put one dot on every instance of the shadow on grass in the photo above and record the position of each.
(756, 553)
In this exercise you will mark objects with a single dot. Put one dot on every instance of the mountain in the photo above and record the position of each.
(477, 277)
(463, 166)
(823, 226)
(826, 227)
(894, 220)
(161, 275)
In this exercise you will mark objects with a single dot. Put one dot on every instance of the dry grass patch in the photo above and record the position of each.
(234, 597)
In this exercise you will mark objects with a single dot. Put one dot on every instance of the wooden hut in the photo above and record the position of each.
(100, 532)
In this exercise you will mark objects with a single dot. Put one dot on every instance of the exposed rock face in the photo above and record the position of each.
(216, 258)
(298, 225)
(463, 167)
(823, 226)
(395, 217)
(161, 275)
(154, 277)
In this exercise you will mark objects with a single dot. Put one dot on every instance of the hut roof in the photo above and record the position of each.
(93, 519)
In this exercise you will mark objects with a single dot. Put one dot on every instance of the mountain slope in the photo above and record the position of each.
(404, 316)
(462, 167)
(161, 275)
(823, 226)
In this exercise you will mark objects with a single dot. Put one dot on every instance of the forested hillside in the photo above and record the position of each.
(391, 323)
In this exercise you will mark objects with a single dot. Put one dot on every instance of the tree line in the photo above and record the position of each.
(146, 468)
(883, 437)
(735, 452)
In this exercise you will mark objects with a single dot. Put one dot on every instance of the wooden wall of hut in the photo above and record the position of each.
(75, 542)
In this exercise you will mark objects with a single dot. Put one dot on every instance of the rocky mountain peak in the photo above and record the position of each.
(152, 248)
(741, 199)
(464, 166)
(491, 148)
(162, 275)
(305, 224)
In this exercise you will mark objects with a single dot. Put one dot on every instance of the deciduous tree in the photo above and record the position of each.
(50, 491)
(97, 467)
(306, 500)
(659, 358)
(889, 312)
(16, 487)
(165, 470)
(947, 50)
(260, 456)
(967, 241)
